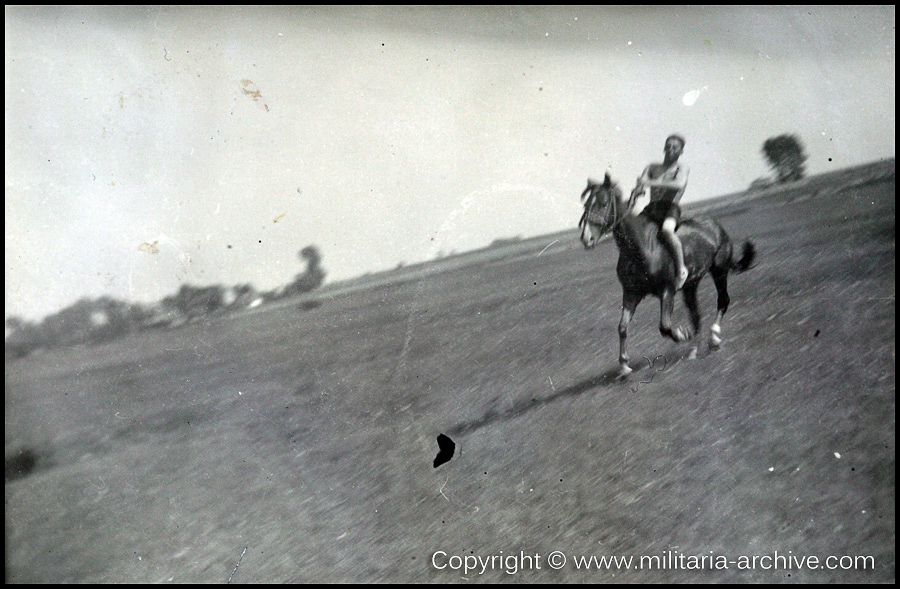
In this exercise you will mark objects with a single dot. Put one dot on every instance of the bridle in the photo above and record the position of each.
(602, 219)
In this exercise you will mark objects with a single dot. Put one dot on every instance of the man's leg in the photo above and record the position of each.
(681, 271)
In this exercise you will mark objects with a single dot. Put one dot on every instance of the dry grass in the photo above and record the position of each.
(307, 435)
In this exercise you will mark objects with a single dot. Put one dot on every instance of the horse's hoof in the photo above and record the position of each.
(679, 334)
(715, 337)
(692, 355)
(624, 371)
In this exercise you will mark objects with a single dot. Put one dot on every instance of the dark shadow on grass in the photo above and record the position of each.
(522, 407)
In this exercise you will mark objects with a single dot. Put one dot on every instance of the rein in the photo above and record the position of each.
(613, 204)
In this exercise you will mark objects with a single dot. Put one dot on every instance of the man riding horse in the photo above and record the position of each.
(667, 182)
(645, 267)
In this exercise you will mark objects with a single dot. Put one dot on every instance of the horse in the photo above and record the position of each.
(646, 267)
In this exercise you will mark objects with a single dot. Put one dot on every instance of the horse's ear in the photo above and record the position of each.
(607, 180)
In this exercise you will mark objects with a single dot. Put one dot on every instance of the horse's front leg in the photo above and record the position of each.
(666, 308)
(690, 300)
(630, 302)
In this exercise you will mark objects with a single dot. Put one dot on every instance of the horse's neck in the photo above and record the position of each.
(630, 233)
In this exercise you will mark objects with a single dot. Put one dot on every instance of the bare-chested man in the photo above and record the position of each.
(666, 182)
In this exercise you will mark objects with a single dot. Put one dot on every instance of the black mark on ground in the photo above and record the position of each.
(447, 448)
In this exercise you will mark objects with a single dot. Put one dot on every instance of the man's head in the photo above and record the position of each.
(674, 147)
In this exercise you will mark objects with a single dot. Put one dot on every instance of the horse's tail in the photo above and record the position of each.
(748, 255)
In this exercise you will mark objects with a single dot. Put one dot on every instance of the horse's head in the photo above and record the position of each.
(601, 210)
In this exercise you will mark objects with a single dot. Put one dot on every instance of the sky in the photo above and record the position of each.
(150, 147)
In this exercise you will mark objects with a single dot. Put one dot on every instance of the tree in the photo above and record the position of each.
(21, 337)
(312, 278)
(195, 301)
(785, 154)
(15, 323)
(239, 296)
(72, 325)
(113, 318)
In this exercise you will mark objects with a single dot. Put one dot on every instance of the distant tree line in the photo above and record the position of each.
(105, 318)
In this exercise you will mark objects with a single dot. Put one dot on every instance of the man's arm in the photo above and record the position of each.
(678, 183)
(641, 184)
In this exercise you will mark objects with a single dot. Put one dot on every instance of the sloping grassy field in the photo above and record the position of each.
(296, 443)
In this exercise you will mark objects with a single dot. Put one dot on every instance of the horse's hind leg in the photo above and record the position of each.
(690, 300)
(720, 278)
(630, 302)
